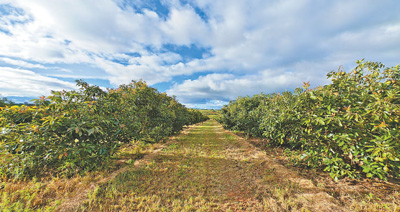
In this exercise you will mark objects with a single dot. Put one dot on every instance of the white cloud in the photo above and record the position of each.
(212, 104)
(21, 63)
(254, 45)
(18, 82)
(225, 87)
(374, 41)
(185, 27)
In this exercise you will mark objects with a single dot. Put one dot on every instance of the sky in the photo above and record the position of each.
(205, 52)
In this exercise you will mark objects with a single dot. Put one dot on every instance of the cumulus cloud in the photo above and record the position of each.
(225, 87)
(21, 63)
(215, 90)
(252, 46)
(185, 27)
(19, 82)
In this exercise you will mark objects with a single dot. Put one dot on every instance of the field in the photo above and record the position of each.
(332, 148)
(212, 114)
(204, 168)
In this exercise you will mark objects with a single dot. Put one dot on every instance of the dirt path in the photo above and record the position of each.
(209, 169)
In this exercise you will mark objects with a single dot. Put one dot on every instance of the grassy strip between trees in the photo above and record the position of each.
(74, 131)
(209, 169)
(205, 168)
(348, 128)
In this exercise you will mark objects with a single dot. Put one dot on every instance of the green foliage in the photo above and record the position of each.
(4, 101)
(349, 127)
(244, 114)
(73, 131)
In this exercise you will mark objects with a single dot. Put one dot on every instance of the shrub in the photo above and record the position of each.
(73, 131)
(349, 127)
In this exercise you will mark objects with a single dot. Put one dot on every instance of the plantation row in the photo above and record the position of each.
(349, 128)
(73, 131)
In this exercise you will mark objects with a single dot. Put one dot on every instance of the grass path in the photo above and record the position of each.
(204, 168)
(209, 169)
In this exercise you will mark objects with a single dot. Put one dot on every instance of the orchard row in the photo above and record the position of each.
(74, 131)
(350, 127)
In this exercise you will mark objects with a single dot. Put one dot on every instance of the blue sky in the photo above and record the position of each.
(205, 52)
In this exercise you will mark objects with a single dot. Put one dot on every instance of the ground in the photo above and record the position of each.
(210, 169)
(207, 168)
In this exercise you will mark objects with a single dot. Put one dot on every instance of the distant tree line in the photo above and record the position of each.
(4, 101)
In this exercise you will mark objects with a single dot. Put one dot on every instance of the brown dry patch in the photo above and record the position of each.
(73, 202)
(44, 193)
(352, 194)
(66, 194)
(207, 168)
(210, 169)
(307, 196)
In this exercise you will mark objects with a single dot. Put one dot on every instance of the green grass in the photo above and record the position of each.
(47, 194)
(205, 168)
(212, 114)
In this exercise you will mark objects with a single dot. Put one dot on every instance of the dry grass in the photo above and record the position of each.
(209, 169)
(205, 168)
(43, 194)
(351, 194)
(60, 193)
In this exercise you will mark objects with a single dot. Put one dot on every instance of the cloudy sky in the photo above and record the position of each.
(206, 52)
